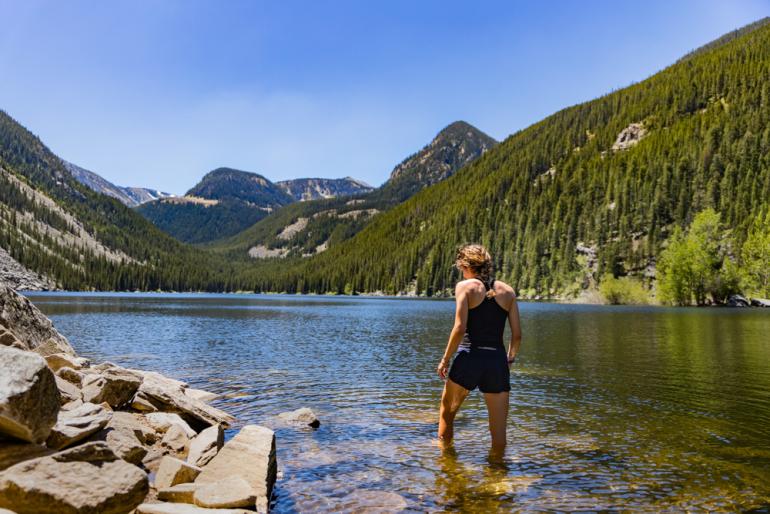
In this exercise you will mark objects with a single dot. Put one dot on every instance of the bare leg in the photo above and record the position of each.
(451, 399)
(497, 406)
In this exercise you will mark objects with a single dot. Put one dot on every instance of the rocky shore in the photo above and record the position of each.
(82, 438)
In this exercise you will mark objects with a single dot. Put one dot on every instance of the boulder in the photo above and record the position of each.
(230, 492)
(29, 325)
(176, 440)
(162, 421)
(77, 424)
(115, 386)
(29, 398)
(168, 396)
(72, 405)
(303, 416)
(760, 302)
(180, 493)
(88, 478)
(141, 404)
(7, 338)
(56, 361)
(200, 394)
(69, 392)
(737, 300)
(71, 376)
(12, 452)
(249, 455)
(205, 445)
(183, 508)
(174, 471)
(123, 443)
(133, 423)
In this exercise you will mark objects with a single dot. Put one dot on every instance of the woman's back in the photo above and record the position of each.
(486, 319)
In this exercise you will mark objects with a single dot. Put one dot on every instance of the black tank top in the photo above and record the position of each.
(486, 324)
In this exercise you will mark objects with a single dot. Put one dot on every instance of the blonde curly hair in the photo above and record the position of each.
(476, 258)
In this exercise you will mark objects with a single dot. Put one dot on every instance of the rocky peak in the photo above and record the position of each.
(303, 189)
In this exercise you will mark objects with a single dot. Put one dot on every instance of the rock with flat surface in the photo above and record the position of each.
(29, 398)
(200, 394)
(183, 508)
(77, 424)
(30, 325)
(760, 302)
(162, 421)
(174, 471)
(249, 455)
(180, 493)
(12, 452)
(56, 361)
(303, 416)
(123, 443)
(70, 375)
(176, 440)
(134, 423)
(228, 493)
(205, 445)
(115, 386)
(69, 392)
(169, 397)
(86, 479)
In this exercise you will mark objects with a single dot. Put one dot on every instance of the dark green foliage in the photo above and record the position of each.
(230, 184)
(534, 197)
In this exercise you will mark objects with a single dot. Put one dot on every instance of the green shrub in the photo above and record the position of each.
(623, 291)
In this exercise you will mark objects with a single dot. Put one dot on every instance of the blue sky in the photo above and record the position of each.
(158, 93)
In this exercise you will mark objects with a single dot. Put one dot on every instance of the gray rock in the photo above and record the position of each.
(737, 300)
(29, 398)
(86, 479)
(116, 386)
(68, 392)
(30, 325)
(13, 274)
(206, 445)
(230, 492)
(174, 471)
(72, 405)
(199, 394)
(180, 493)
(7, 338)
(77, 424)
(303, 416)
(183, 508)
(12, 453)
(760, 302)
(249, 455)
(123, 443)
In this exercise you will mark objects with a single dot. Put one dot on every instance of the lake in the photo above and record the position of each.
(642, 408)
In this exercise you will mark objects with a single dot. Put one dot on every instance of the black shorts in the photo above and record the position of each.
(486, 369)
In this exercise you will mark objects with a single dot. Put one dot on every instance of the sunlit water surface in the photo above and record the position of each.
(611, 408)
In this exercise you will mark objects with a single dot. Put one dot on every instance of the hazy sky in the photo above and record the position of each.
(158, 93)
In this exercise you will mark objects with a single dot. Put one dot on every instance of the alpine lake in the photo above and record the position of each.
(612, 408)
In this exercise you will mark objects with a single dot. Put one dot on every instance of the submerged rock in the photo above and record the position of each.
(303, 416)
(88, 478)
(370, 502)
(29, 398)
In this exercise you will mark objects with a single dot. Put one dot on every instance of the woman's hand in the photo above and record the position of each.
(511, 360)
(443, 368)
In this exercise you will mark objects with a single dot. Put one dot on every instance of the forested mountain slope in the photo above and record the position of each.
(311, 227)
(54, 225)
(594, 188)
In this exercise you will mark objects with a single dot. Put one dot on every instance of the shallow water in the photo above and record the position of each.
(612, 408)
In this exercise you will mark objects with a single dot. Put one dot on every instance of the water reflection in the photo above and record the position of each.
(643, 409)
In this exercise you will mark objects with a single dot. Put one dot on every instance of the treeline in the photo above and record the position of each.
(559, 183)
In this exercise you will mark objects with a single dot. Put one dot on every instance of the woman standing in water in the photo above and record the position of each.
(483, 306)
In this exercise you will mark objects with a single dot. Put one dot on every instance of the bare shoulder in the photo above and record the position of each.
(503, 288)
(466, 285)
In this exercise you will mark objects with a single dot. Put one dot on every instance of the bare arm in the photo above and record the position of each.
(514, 322)
(458, 330)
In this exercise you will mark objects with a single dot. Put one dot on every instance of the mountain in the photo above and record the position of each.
(130, 196)
(311, 227)
(304, 189)
(76, 238)
(595, 188)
